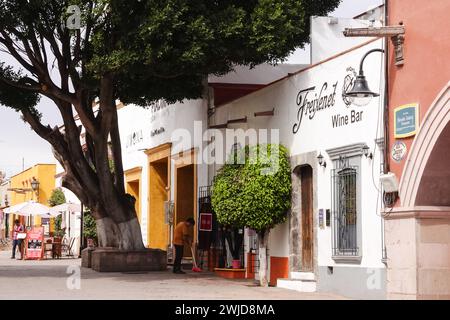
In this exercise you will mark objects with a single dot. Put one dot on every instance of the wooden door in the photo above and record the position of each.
(306, 180)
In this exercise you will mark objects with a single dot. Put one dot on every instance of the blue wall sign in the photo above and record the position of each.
(406, 120)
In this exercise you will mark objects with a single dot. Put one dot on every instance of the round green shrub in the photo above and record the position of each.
(256, 191)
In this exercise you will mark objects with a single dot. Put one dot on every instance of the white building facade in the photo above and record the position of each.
(164, 157)
(160, 167)
(332, 240)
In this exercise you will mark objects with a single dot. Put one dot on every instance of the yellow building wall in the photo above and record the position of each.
(45, 174)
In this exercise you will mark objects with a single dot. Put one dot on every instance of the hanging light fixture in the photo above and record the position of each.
(322, 163)
(360, 94)
(34, 184)
(366, 152)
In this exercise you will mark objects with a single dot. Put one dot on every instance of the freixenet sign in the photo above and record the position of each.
(310, 101)
(315, 99)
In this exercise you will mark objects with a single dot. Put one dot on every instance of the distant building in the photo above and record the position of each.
(20, 190)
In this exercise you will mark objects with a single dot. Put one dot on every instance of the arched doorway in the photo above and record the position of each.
(417, 232)
(426, 177)
(303, 193)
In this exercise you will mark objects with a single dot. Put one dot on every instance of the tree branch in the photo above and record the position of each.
(34, 87)
(117, 155)
(9, 44)
(43, 131)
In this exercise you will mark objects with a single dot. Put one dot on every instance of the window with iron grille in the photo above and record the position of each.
(345, 209)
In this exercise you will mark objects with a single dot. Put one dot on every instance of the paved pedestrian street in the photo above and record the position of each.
(58, 279)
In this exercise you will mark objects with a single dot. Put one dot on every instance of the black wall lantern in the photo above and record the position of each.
(366, 152)
(322, 163)
(360, 94)
(34, 184)
(35, 187)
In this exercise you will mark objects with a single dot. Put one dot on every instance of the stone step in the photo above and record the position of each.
(297, 285)
(303, 276)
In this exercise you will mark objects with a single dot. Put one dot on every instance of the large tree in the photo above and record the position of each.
(138, 52)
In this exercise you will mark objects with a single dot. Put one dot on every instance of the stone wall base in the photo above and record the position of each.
(114, 260)
(418, 253)
(86, 257)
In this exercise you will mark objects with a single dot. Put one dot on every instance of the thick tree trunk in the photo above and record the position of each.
(263, 238)
(125, 235)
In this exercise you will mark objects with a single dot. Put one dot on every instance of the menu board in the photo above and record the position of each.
(35, 243)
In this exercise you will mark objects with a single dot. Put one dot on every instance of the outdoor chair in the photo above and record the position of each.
(48, 248)
(67, 246)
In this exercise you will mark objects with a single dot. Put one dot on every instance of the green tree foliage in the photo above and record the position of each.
(56, 198)
(155, 49)
(256, 193)
(89, 227)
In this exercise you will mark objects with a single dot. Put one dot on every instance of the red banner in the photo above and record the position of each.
(35, 243)
(205, 222)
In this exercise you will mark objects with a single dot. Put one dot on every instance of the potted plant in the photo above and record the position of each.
(89, 229)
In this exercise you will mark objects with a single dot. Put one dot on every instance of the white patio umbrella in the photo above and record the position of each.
(29, 208)
(65, 207)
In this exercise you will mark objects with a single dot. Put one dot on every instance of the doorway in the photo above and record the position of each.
(133, 188)
(158, 194)
(185, 197)
(306, 185)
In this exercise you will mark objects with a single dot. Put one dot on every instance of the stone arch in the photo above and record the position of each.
(426, 176)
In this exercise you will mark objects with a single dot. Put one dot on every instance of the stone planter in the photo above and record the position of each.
(86, 257)
(114, 260)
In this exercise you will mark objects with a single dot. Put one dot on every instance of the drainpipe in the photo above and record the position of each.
(386, 93)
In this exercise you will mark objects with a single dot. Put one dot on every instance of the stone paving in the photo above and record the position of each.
(58, 279)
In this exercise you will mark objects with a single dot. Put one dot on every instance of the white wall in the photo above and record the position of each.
(318, 134)
(178, 121)
(327, 38)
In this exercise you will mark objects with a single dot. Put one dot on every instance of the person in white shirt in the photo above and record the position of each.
(18, 228)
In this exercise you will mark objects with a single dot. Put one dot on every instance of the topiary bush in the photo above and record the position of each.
(253, 189)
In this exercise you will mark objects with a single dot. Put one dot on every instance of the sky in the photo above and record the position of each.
(21, 148)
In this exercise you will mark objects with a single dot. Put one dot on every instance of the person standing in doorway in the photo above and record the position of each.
(181, 237)
(18, 228)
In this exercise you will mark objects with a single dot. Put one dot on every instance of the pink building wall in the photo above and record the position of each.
(418, 228)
